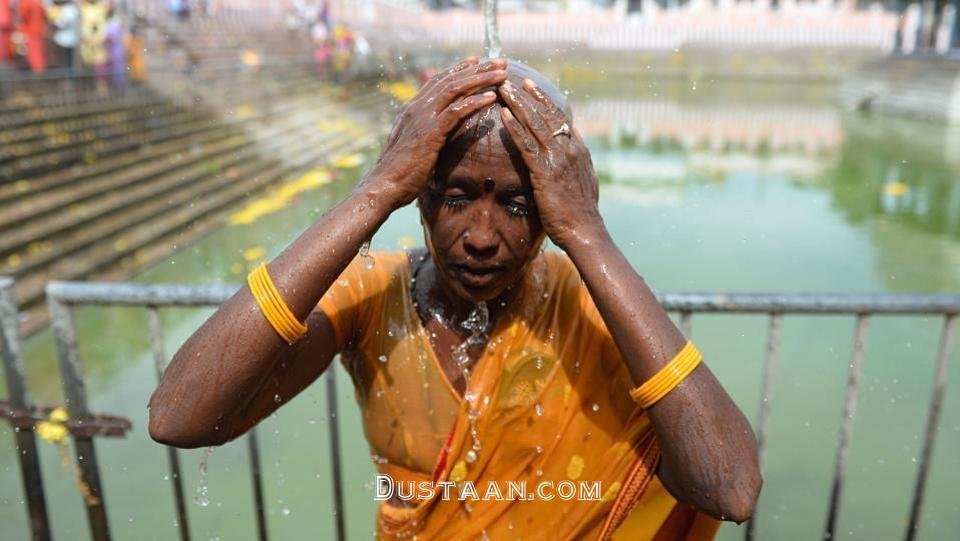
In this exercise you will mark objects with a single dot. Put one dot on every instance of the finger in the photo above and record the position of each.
(526, 143)
(454, 76)
(524, 109)
(554, 115)
(461, 109)
(467, 85)
(460, 66)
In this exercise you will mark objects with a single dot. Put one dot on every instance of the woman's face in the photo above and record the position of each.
(479, 218)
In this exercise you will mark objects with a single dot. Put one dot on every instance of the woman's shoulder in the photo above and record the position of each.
(559, 267)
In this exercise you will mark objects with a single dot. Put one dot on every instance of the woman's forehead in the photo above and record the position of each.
(490, 157)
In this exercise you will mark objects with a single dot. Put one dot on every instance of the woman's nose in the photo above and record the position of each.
(481, 238)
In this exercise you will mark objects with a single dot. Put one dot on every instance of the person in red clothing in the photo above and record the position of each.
(33, 26)
(6, 29)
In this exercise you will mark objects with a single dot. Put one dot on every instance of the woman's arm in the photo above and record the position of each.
(709, 458)
(218, 383)
(223, 365)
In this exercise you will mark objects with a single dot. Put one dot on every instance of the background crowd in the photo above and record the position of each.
(72, 36)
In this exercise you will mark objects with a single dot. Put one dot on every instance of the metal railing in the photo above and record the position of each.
(63, 297)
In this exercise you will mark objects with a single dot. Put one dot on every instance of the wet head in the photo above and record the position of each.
(479, 215)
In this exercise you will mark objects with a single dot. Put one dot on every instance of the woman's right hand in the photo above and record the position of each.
(423, 123)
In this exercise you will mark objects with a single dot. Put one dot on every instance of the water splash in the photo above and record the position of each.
(491, 40)
(478, 323)
(365, 254)
(201, 498)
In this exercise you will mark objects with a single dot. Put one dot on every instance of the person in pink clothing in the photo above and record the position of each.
(6, 30)
(33, 26)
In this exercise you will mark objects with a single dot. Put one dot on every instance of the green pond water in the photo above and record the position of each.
(706, 187)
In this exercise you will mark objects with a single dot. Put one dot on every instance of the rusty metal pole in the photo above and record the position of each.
(15, 373)
(75, 392)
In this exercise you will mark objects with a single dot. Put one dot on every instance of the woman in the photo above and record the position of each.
(480, 358)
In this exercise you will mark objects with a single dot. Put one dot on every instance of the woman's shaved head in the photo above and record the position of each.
(487, 121)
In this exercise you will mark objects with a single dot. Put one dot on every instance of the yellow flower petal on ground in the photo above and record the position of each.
(253, 254)
(895, 189)
(348, 161)
(52, 432)
(575, 467)
(279, 198)
(245, 111)
(400, 91)
(59, 415)
(459, 471)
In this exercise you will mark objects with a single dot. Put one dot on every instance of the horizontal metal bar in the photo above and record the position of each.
(128, 294)
(812, 303)
(798, 303)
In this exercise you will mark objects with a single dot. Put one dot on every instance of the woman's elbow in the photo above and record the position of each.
(169, 428)
(737, 501)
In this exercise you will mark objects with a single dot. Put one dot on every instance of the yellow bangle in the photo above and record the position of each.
(668, 377)
(272, 306)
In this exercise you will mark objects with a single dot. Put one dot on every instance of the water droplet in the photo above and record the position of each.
(471, 456)
(539, 409)
(382, 358)
(596, 407)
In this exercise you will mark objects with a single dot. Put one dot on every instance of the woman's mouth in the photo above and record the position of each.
(478, 276)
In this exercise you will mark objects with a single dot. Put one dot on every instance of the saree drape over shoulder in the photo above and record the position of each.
(551, 403)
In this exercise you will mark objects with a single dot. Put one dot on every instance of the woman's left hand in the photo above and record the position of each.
(565, 187)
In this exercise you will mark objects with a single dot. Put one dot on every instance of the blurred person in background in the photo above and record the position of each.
(343, 55)
(6, 32)
(116, 50)
(135, 59)
(322, 48)
(180, 9)
(33, 27)
(93, 40)
(65, 17)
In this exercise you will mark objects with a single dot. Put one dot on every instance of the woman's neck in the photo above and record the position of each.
(437, 302)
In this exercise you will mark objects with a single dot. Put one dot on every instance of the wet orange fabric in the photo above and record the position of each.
(551, 401)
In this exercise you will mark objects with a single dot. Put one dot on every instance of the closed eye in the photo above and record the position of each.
(456, 202)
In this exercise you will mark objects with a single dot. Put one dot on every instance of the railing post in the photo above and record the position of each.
(253, 449)
(159, 363)
(686, 324)
(74, 390)
(13, 367)
(766, 400)
(335, 462)
(933, 421)
(846, 426)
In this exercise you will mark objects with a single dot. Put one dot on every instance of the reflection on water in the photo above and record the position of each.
(720, 187)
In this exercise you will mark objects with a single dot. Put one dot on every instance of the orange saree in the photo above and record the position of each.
(547, 403)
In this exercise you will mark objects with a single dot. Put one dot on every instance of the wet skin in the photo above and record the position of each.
(487, 198)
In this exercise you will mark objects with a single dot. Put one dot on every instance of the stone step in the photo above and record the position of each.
(150, 243)
(26, 156)
(74, 221)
